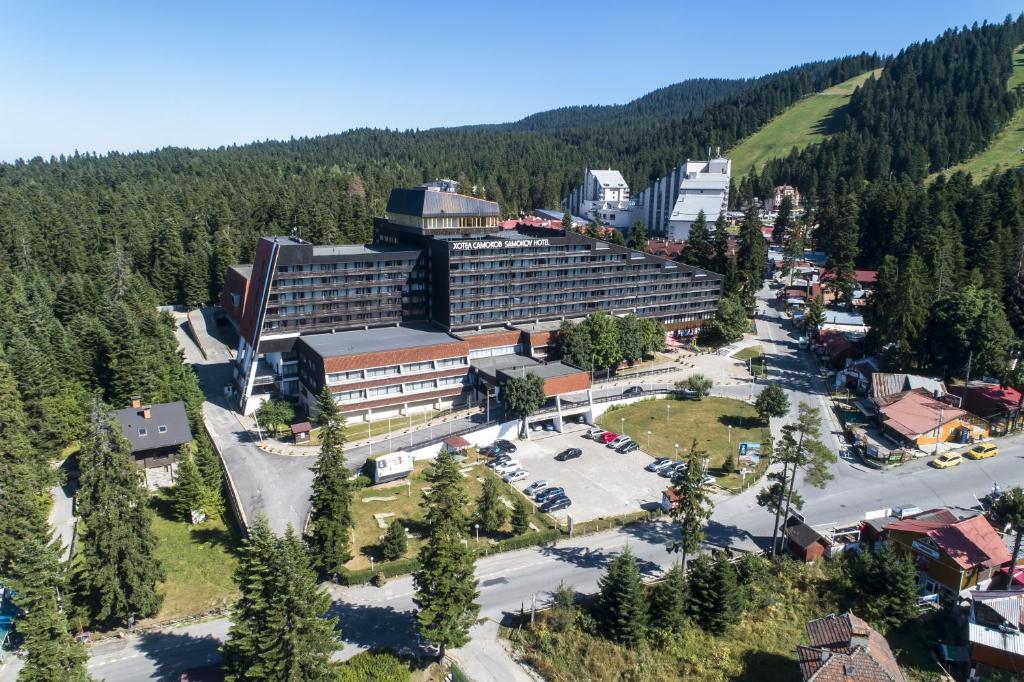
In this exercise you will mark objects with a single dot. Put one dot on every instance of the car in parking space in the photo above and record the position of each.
(536, 426)
(947, 460)
(594, 433)
(709, 480)
(687, 394)
(633, 391)
(670, 471)
(549, 493)
(555, 504)
(516, 475)
(617, 441)
(499, 459)
(627, 447)
(505, 467)
(606, 437)
(659, 463)
(568, 453)
(504, 445)
(489, 451)
(982, 451)
(548, 426)
(534, 487)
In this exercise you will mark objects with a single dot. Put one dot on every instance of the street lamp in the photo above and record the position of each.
(622, 424)
(730, 434)
(648, 440)
(668, 406)
(477, 527)
(677, 450)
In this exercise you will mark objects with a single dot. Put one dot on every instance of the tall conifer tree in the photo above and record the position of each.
(331, 522)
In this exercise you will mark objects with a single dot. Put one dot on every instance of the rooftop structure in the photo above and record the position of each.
(670, 205)
(604, 195)
(995, 631)
(844, 648)
(917, 413)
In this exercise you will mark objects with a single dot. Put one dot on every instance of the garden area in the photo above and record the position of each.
(198, 561)
(718, 424)
(375, 508)
(753, 357)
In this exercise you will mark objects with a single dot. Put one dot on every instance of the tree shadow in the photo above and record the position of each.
(584, 557)
(161, 503)
(653, 532)
(379, 627)
(761, 666)
(722, 535)
(832, 122)
(740, 422)
(224, 537)
(172, 653)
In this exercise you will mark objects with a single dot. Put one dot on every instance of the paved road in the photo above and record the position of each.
(276, 486)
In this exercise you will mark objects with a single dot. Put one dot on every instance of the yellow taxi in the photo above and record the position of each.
(982, 451)
(950, 459)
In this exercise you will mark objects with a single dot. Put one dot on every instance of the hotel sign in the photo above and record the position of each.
(499, 244)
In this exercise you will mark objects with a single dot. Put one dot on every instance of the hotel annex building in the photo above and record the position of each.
(445, 305)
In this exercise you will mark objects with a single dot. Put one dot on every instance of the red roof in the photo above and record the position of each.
(987, 400)
(665, 248)
(861, 276)
(971, 542)
(917, 412)
(456, 442)
(302, 427)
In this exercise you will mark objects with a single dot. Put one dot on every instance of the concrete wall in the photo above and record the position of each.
(479, 438)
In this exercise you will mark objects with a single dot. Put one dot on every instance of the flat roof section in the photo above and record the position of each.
(549, 370)
(376, 340)
(359, 250)
(490, 367)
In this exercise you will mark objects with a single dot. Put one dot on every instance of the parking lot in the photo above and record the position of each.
(600, 483)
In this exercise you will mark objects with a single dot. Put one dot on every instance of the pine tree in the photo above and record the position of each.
(720, 247)
(280, 629)
(196, 271)
(53, 654)
(190, 491)
(638, 237)
(445, 583)
(714, 597)
(208, 463)
(886, 589)
(520, 516)
(118, 572)
(394, 544)
(772, 402)
(669, 600)
(694, 507)
(567, 223)
(751, 257)
(1008, 510)
(491, 511)
(700, 249)
(783, 220)
(168, 263)
(621, 605)
(330, 519)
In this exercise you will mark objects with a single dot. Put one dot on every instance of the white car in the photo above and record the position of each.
(517, 475)
(593, 433)
(508, 466)
(535, 487)
(619, 441)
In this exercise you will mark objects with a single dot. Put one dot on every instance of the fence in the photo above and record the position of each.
(635, 375)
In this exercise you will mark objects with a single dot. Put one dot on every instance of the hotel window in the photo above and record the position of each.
(451, 381)
(341, 377)
(414, 367)
(347, 396)
(420, 385)
(382, 371)
(384, 390)
(451, 362)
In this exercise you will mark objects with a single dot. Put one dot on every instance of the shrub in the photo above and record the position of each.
(375, 666)
(361, 481)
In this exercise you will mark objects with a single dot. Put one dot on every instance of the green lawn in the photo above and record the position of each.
(809, 120)
(403, 501)
(1004, 152)
(680, 421)
(756, 355)
(198, 561)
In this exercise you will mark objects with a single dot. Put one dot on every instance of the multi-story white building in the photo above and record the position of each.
(604, 194)
(671, 204)
(668, 207)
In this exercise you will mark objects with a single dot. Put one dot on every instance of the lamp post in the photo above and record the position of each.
(730, 434)
(622, 425)
(648, 440)
(668, 407)
(476, 526)
(677, 450)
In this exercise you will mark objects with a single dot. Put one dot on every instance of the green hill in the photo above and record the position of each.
(1005, 151)
(804, 123)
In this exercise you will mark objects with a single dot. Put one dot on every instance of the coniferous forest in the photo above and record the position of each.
(90, 245)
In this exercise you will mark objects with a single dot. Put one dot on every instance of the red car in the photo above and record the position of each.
(607, 437)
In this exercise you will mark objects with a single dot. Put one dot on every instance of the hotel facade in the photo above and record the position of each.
(435, 312)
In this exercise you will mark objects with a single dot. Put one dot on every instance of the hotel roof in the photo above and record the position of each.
(377, 340)
(432, 203)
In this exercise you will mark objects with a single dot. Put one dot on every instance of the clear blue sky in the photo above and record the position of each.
(101, 76)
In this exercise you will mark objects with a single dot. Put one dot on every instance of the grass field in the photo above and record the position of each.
(809, 120)
(680, 421)
(403, 500)
(756, 355)
(1004, 152)
(198, 560)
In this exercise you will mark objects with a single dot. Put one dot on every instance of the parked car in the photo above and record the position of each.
(555, 504)
(594, 433)
(535, 487)
(548, 493)
(517, 475)
(548, 426)
(709, 480)
(607, 437)
(633, 391)
(489, 451)
(505, 467)
(659, 463)
(504, 445)
(535, 426)
(687, 394)
(950, 459)
(499, 460)
(568, 453)
(628, 447)
(983, 451)
(617, 441)
(670, 471)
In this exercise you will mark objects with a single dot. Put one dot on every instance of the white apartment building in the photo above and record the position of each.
(604, 194)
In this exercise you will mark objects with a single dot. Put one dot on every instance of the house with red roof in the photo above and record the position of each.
(919, 419)
(951, 554)
(864, 284)
(999, 405)
(844, 648)
(836, 348)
